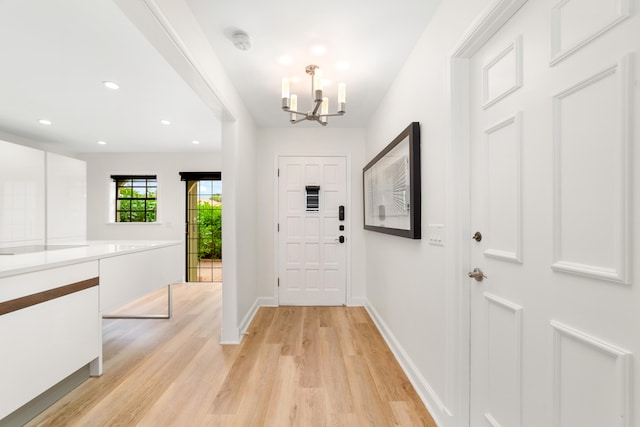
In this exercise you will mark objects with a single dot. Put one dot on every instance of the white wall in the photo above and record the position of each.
(173, 30)
(317, 142)
(406, 279)
(171, 192)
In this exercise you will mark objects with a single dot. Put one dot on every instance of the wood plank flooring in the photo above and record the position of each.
(298, 366)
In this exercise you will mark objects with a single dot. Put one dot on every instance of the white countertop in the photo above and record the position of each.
(11, 265)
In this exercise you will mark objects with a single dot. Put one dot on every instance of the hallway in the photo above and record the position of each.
(298, 366)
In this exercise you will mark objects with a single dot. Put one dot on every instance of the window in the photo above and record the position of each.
(135, 198)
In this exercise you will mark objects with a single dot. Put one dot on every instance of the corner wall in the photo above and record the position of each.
(407, 290)
(171, 27)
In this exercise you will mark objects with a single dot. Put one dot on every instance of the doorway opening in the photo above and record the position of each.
(203, 226)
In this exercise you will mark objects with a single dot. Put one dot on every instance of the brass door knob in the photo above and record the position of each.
(477, 274)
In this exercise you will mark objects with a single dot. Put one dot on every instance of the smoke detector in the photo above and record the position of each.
(241, 40)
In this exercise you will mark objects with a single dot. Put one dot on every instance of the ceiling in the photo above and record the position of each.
(55, 60)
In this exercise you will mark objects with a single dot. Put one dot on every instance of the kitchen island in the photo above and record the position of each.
(52, 302)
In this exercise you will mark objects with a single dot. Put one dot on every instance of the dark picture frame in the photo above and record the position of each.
(391, 183)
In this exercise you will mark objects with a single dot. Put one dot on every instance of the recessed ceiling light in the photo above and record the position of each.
(44, 122)
(165, 122)
(285, 60)
(102, 143)
(195, 142)
(319, 49)
(111, 85)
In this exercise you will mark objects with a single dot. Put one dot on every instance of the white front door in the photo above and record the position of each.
(312, 230)
(555, 324)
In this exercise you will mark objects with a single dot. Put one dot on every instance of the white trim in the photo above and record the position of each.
(492, 420)
(620, 272)
(230, 336)
(517, 312)
(623, 361)
(276, 219)
(516, 46)
(557, 54)
(356, 301)
(494, 16)
(429, 397)
(205, 87)
(248, 318)
(516, 255)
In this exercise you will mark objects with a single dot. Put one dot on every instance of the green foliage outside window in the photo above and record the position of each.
(132, 207)
(210, 229)
(135, 198)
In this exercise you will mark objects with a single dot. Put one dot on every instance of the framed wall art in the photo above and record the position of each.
(392, 187)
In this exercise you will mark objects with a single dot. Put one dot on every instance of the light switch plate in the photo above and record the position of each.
(436, 234)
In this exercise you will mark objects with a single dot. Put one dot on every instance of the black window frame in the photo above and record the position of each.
(149, 198)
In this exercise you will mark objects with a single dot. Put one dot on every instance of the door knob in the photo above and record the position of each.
(477, 237)
(477, 274)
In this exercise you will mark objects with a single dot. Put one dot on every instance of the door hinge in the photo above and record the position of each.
(278, 172)
(278, 227)
(278, 282)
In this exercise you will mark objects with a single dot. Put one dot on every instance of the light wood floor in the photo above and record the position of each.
(299, 366)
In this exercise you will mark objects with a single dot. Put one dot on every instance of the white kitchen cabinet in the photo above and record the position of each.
(46, 337)
(128, 277)
(66, 199)
(22, 195)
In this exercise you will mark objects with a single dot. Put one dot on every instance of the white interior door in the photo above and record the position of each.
(312, 246)
(555, 323)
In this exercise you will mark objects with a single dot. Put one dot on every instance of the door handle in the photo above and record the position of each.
(339, 239)
(477, 274)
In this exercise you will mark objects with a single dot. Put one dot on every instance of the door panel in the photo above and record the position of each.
(312, 260)
(554, 322)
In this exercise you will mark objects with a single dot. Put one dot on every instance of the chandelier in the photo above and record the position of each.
(320, 111)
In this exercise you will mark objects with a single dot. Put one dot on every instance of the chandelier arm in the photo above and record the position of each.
(300, 120)
(331, 115)
(317, 106)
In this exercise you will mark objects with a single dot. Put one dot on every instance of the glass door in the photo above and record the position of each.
(203, 227)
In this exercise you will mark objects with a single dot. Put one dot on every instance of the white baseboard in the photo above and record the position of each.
(357, 302)
(259, 302)
(232, 337)
(429, 397)
(267, 302)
